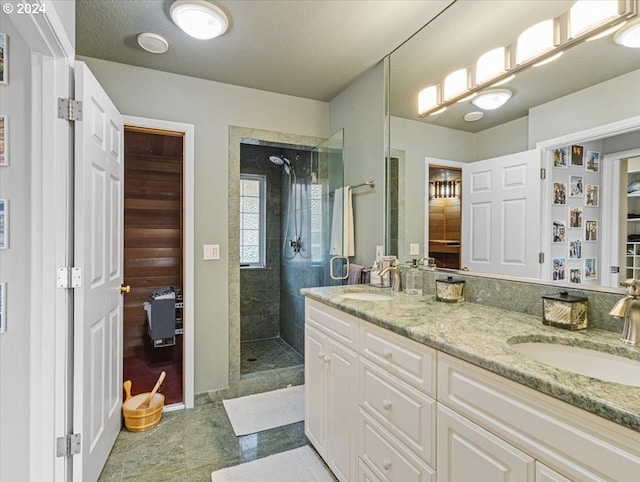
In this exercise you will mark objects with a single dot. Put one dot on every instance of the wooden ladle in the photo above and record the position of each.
(146, 401)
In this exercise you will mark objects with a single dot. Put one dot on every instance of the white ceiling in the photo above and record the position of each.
(306, 48)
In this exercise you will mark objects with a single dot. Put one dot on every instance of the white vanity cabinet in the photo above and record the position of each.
(397, 407)
(564, 440)
(330, 387)
(383, 408)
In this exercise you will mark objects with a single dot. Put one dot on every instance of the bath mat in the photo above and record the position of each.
(298, 465)
(255, 413)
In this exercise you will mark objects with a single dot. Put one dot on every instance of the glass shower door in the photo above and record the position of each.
(327, 217)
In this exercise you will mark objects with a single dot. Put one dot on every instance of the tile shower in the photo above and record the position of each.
(271, 306)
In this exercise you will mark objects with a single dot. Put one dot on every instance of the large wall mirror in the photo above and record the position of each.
(577, 92)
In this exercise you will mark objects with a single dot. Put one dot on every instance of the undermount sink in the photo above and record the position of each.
(584, 361)
(365, 296)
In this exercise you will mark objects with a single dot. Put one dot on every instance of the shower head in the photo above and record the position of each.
(282, 161)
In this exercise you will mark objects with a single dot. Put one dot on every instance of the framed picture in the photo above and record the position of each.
(558, 269)
(4, 140)
(4, 223)
(590, 269)
(576, 189)
(592, 163)
(575, 217)
(4, 59)
(575, 249)
(591, 231)
(560, 157)
(559, 232)
(591, 192)
(3, 319)
(559, 193)
(575, 275)
(577, 153)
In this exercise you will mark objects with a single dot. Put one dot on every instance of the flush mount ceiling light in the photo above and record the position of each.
(476, 115)
(198, 18)
(629, 35)
(492, 99)
(153, 43)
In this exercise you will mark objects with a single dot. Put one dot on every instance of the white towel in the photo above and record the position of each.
(342, 231)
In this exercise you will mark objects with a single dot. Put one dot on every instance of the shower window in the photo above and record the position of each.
(317, 222)
(252, 220)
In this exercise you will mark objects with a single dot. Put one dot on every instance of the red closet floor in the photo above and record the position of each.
(144, 370)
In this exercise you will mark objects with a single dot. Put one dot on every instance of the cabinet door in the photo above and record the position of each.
(341, 410)
(315, 388)
(545, 474)
(468, 453)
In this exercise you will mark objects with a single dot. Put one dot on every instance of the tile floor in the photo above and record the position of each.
(188, 445)
(268, 354)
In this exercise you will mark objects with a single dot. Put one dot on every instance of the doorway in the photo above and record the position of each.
(445, 215)
(153, 258)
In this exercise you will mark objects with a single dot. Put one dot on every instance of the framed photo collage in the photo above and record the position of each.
(575, 193)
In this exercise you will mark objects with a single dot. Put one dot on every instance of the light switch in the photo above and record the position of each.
(414, 249)
(210, 251)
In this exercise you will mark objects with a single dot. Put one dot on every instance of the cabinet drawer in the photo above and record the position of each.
(341, 326)
(406, 359)
(386, 458)
(571, 441)
(405, 412)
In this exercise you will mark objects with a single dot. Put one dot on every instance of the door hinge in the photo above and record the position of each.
(615, 269)
(543, 173)
(68, 445)
(68, 277)
(541, 258)
(69, 109)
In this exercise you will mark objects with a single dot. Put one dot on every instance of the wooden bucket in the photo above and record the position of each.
(141, 419)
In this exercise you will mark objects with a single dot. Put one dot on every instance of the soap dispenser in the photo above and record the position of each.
(413, 283)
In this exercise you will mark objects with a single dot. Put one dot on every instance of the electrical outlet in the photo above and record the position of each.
(414, 249)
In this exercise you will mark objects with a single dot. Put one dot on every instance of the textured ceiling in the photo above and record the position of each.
(306, 48)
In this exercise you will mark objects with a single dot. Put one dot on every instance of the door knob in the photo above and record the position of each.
(125, 288)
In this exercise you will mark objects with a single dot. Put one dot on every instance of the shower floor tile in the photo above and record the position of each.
(270, 354)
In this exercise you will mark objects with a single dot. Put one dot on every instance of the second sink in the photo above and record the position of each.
(365, 296)
(583, 361)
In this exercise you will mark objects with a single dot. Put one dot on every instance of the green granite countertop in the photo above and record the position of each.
(482, 334)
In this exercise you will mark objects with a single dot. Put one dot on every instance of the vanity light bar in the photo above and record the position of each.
(626, 10)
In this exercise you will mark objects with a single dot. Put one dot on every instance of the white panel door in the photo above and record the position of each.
(315, 376)
(501, 215)
(98, 245)
(468, 453)
(342, 402)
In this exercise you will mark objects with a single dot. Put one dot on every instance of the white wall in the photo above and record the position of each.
(15, 102)
(608, 102)
(417, 141)
(507, 138)
(359, 109)
(212, 107)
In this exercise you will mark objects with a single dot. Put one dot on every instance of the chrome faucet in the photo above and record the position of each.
(396, 279)
(628, 308)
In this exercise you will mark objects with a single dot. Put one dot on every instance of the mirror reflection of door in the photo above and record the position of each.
(445, 215)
